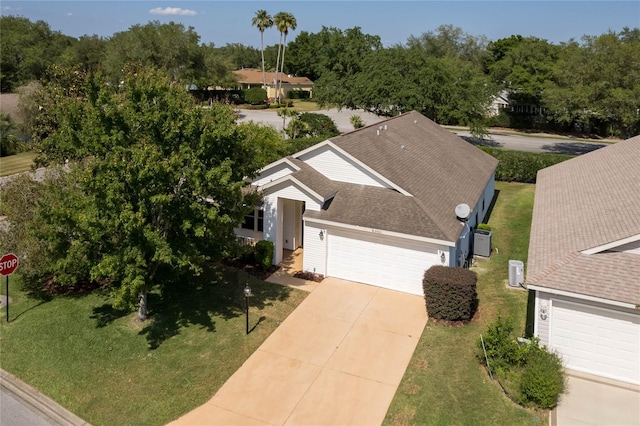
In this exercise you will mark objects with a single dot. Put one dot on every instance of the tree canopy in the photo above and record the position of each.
(154, 186)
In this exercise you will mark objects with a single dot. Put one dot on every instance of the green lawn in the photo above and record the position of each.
(444, 383)
(16, 163)
(111, 370)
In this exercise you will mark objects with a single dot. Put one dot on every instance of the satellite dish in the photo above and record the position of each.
(463, 211)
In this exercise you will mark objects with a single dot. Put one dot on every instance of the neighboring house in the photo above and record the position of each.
(376, 205)
(505, 102)
(499, 102)
(252, 77)
(584, 261)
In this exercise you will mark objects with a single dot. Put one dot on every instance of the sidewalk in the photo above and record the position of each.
(41, 405)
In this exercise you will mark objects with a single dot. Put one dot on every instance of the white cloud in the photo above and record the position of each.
(173, 11)
(69, 14)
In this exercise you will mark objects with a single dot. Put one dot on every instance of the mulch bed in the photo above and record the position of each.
(309, 276)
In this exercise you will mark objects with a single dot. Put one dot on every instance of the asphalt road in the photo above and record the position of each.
(530, 143)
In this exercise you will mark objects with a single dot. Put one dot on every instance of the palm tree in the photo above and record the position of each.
(277, 20)
(286, 22)
(262, 20)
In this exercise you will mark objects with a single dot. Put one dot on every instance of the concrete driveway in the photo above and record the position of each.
(336, 360)
(594, 401)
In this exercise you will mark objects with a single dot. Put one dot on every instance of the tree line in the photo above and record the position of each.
(450, 76)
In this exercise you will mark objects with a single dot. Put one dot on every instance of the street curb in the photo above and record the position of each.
(41, 404)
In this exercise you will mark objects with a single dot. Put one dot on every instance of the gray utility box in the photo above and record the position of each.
(482, 243)
(516, 273)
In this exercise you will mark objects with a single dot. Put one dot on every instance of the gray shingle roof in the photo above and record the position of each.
(581, 204)
(438, 168)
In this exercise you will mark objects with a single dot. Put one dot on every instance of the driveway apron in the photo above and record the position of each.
(336, 360)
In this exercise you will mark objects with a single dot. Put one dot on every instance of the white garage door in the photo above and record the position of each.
(597, 341)
(379, 260)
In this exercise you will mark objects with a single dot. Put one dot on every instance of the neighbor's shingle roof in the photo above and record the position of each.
(254, 76)
(584, 203)
(438, 168)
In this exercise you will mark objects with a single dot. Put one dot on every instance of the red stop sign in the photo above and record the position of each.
(8, 264)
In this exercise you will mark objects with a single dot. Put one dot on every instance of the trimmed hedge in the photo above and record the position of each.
(255, 96)
(519, 166)
(264, 253)
(298, 94)
(450, 293)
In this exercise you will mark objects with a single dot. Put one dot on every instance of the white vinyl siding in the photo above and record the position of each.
(338, 167)
(384, 261)
(597, 341)
(273, 173)
(315, 249)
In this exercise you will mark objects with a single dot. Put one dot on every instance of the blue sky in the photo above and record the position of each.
(394, 21)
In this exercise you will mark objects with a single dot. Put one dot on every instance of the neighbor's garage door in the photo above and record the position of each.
(379, 260)
(597, 341)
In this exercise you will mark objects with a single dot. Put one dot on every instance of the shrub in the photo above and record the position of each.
(518, 166)
(298, 94)
(264, 253)
(356, 121)
(483, 227)
(255, 96)
(318, 125)
(543, 379)
(501, 347)
(528, 373)
(450, 293)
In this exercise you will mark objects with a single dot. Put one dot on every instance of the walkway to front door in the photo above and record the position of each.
(336, 360)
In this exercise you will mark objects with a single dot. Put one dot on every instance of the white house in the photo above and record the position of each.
(584, 261)
(376, 205)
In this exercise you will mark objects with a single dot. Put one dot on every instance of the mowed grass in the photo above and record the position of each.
(444, 383)
(112, 370)
(17, 163)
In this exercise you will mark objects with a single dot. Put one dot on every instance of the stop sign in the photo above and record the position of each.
(8, 264)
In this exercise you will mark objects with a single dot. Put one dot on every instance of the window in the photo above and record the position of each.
(253, 221)
(260, 220)
(249, 221)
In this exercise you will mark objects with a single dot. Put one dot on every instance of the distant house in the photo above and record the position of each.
(504, 101)
(252, 77)
(584, 261)
(376, 205)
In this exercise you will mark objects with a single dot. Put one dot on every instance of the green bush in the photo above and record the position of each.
(501, 347)
(450, 293)
(298, 94)
(255, 96)
(518, 166)
(285, 103)
(500, 120)
(264, 253)
(543, 379)
(528, 373)
(318, 125)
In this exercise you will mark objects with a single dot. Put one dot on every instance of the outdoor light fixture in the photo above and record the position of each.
(247, 295)
(321, 234)
(442, 257)
(543, 312)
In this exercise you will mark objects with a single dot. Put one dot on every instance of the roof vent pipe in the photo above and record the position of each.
(378, 132)
(385, 127)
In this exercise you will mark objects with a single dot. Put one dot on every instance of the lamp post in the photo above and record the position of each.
(247, 295)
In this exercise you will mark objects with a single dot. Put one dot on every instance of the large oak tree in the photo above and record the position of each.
(155, 182)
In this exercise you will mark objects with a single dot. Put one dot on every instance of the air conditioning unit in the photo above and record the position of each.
(516, 273)
(482, 243)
